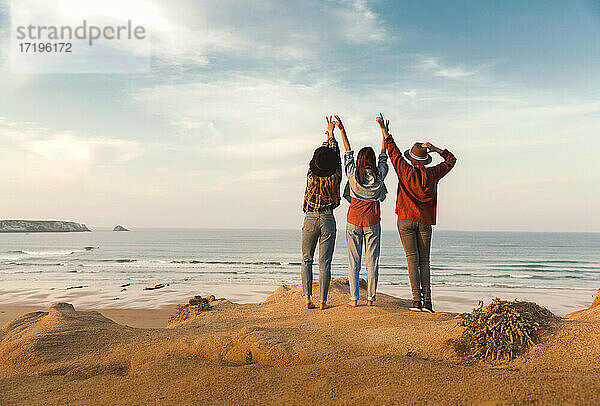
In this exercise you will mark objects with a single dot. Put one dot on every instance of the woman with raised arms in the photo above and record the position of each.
(364, 190)
(416, 206)
(321, 196)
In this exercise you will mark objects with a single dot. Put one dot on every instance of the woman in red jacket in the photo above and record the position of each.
(416, 207)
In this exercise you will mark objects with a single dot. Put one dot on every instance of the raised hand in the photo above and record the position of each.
(384, 125)
(430, 147)
(338, 122)
(330, 126)
(340, 125)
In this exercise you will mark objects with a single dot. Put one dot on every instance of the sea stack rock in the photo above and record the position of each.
(120, 228)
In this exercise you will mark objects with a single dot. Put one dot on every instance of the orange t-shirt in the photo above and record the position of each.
(362, 213)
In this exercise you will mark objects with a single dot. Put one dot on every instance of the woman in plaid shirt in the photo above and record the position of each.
(322, 195)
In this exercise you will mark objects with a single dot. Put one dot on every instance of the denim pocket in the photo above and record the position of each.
(330, 226)
(407, 225)
(309, 225)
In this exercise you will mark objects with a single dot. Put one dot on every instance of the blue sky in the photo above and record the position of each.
(220, 132)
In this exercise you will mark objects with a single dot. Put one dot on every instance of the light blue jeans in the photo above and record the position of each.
(317, 228)
(371, 237)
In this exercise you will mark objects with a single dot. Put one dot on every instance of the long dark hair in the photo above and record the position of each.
(422, 175)
(365, 160)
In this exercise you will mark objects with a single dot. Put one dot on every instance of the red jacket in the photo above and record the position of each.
(414, 202)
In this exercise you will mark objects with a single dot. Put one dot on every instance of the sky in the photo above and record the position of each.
(220, 131)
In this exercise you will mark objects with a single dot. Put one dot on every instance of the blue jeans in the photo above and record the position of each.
(371, 236)
(317, 228)
(416, 239)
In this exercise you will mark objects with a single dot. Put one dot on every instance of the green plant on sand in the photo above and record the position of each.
(502, 330)
(248, 358)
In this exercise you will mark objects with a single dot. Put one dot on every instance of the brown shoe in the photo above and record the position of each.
(353, 303)
(323, 305)
(370, 303)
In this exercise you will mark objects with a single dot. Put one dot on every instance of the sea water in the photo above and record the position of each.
(561, 264)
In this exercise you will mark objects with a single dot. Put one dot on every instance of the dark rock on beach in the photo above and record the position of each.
(41, 226)
(159, 286)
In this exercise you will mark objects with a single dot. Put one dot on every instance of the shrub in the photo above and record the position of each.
(188, 311)
(249, 358)
(502, 330)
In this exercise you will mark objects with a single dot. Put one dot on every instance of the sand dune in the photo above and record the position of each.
(278, 352)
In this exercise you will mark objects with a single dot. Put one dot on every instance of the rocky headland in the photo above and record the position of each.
(120, 228)
(41, 226)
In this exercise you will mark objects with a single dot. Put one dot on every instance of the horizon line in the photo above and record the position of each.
(131, 228)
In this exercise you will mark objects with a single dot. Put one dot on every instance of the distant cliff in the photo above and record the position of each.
(34, 226)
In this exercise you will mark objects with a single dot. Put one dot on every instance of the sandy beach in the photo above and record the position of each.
(380, 355)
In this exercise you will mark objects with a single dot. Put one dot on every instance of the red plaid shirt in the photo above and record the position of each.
(323, 193)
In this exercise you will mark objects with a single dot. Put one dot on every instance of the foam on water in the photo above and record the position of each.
(199, 257)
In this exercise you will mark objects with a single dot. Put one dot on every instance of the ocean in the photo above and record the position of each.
(116, 264)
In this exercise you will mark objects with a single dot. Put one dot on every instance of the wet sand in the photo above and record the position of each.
(136, 296)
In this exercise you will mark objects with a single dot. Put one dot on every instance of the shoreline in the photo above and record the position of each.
(151, 309)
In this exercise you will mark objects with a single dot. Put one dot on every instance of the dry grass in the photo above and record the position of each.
(196, 306)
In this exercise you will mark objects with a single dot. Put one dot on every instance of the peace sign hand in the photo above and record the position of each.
(330, 125)
(338, 122)
(384, 124)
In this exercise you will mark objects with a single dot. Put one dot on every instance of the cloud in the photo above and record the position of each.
(361, 24)
(238, 108)
(521, 143)
(86, 150)
(287, 173)
(258, 118)
(66, 155)
(192, 34)
(195, 32)
(433, 64)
